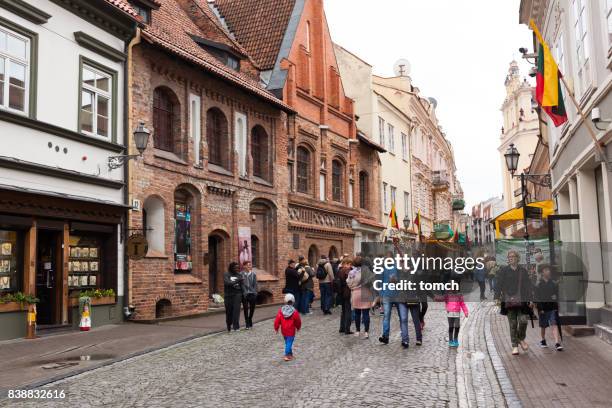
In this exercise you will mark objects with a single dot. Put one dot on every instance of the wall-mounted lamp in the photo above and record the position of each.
(141, 139)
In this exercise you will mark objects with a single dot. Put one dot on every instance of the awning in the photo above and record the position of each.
(516, 214)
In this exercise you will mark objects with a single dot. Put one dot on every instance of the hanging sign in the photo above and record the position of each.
(137, 247)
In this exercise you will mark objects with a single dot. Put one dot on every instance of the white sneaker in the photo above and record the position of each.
(515, 351)
(524, 345)
(357, 334)
(366, 335)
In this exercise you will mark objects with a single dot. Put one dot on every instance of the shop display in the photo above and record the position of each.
(84, 259)
(5, 266)
(6, 248)
(93, 266)
(10, 260)
(93, 252)
(92, 280)
(5, 282)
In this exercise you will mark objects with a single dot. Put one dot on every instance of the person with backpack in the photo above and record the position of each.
(232, 284)
(344, 295)
(362, 296)
(325, 275)
(249, 293)
(292, 279)
(306, 275)
(289, 322)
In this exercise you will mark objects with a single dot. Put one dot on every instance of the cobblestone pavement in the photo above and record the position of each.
(330, 370)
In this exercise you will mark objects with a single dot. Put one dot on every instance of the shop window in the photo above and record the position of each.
(263, 220)
(154, 225)
(217, 138)
(337, 180)
(88, 262)
(15, 62)
(183, 207)
(260, 152)
(11, 261)
(303, 170)
(165, 120)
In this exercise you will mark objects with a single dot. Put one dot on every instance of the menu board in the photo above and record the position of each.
(83, 266)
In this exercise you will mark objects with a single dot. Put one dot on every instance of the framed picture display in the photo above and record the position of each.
(5, 282)
(5, 266)
(84, 252)
(6, 248)
(73, 252)
(93, 266)
(76, 266)
(83, 281)
(93, 252)
(84, 266)
(93, 280)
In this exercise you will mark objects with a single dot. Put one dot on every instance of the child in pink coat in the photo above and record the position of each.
(454, 305)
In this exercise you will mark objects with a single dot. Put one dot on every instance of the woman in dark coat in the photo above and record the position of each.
(515, 290)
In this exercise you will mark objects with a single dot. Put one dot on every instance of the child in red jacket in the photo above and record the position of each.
(288, 319)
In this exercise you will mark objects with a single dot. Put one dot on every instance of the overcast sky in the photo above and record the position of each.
(459, 52)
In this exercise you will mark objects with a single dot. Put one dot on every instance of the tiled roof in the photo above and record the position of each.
(259, 25)
(172, 28)
(124, 6)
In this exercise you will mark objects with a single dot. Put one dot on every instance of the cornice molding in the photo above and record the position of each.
(25, 10)
(97, 46)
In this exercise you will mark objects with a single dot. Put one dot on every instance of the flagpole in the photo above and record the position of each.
(587, 123)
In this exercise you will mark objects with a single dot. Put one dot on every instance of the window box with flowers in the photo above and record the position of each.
(98, 297)
(15, 302)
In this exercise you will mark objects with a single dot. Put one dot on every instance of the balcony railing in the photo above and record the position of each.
(440, 179)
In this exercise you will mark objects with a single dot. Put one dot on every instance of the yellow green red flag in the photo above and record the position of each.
(393, 217)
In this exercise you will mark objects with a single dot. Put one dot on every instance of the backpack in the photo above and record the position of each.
(337, 284)
(321, 272)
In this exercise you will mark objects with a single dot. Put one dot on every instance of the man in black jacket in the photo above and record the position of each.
(292, 281)
(232, 284)
(515, 290)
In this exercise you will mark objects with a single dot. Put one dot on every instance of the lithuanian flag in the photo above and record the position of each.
(417, 221)
(548, 84)
(393, 217)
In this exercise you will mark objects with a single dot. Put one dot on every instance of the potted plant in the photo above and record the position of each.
(13, 302)
(98, 297)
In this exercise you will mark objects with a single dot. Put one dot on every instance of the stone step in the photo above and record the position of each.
(579, 330)
(604, 332)
(606, 316)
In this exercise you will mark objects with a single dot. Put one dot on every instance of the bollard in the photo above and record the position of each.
(31, 322)
(85, 312)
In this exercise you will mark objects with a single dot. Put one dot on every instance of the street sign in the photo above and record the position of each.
(533, 212)
(137, 247)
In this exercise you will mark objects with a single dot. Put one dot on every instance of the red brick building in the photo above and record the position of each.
(291, 43)
(215, 172)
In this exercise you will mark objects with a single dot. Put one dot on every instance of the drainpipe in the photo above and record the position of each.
(128, 309)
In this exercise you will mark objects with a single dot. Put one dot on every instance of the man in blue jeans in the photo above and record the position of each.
(325, 275)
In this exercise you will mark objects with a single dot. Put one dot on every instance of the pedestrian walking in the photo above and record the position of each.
(514, 289)
(454, 304)
(480, 276)
(492, 269)
(362, 296)
(289, 322)
(249, 293)
(546, 296)
(306, 275)
(232, 285)
(392, 299)
(344, 295)
(325, 275)
(292, 280)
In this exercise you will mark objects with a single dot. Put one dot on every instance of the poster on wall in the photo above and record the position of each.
(537, 251)
(244, 244)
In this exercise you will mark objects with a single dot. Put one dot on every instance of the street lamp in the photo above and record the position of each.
(406, 222)
(512, 156)
(141, 139)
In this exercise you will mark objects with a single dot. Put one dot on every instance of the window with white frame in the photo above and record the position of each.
(14, 71)
(407, 205)
(393, 195)
(381, 131)
(582, 45)
(391, 138)
(96, 101)
(385, 201)
(404, 146)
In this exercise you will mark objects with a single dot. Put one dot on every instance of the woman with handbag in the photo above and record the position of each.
(362, 296)
(515, 290)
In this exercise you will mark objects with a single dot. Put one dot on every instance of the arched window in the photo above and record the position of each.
(313, 255)
(363, 190)
(263, 235)
(165, 116)
(183, 216)
(154, 225)
(333, 253)
(217, 138)
(303, 170)
(260, 153)
(337, 180)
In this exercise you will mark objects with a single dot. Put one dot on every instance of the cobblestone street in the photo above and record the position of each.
(246, 369)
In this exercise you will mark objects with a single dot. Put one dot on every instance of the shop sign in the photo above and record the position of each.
(137, 247)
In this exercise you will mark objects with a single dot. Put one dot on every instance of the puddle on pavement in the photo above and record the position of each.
(66, 362)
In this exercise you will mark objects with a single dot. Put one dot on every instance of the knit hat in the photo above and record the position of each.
(289, 298)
